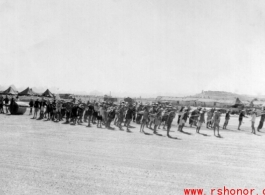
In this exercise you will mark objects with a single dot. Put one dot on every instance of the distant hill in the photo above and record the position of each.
(222, 95)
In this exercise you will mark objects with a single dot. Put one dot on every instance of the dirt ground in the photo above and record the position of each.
(43, 157)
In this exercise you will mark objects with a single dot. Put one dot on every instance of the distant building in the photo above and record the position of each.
(66, 96)
(110, 99)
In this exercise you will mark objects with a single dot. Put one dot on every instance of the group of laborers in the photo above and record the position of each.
(103, 113)
(152, 116)
(8, 102)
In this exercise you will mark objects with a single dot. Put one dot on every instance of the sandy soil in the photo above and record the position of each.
(39, 157)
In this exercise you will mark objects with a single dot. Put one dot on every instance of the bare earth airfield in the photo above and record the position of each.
(43, 157)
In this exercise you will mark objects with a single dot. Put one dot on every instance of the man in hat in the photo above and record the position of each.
(240, 119)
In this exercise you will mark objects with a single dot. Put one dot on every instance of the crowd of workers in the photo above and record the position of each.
(153, 116)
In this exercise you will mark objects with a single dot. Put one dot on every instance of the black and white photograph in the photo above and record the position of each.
(132, 97)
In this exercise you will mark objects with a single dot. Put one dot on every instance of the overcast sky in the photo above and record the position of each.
(141, 47)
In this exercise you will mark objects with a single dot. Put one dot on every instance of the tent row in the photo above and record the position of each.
(26, 92)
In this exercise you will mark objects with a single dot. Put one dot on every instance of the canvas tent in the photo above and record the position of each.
(47, 93)
(27, 91)
(9, 91)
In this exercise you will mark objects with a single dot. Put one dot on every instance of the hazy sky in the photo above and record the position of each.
(134, 46)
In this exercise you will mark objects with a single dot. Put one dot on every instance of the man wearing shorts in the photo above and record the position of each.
(201, 120)
(240, 119)
(253, 119)
(183, 119)
(227, 118)
(216, 122)
(145, 114)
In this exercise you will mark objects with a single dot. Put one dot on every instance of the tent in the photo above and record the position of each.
(27, 91)
(10, 91)
(47, 93)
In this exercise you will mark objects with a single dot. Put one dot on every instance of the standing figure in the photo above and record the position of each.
(194, 117)
(6, 100)
(227, 118)
(90, 109)
(129, 116)
(121, 115)
(253, 119)
(183, 119)
(2, 104)
(144, 121)
(99, 118)
(170, 118)
(209, 118)
(31, 104)
(201, 120)
(36, 108)
(74, 113)
(262, 118)
(240, 119)
(158, 119)
(216, 122)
